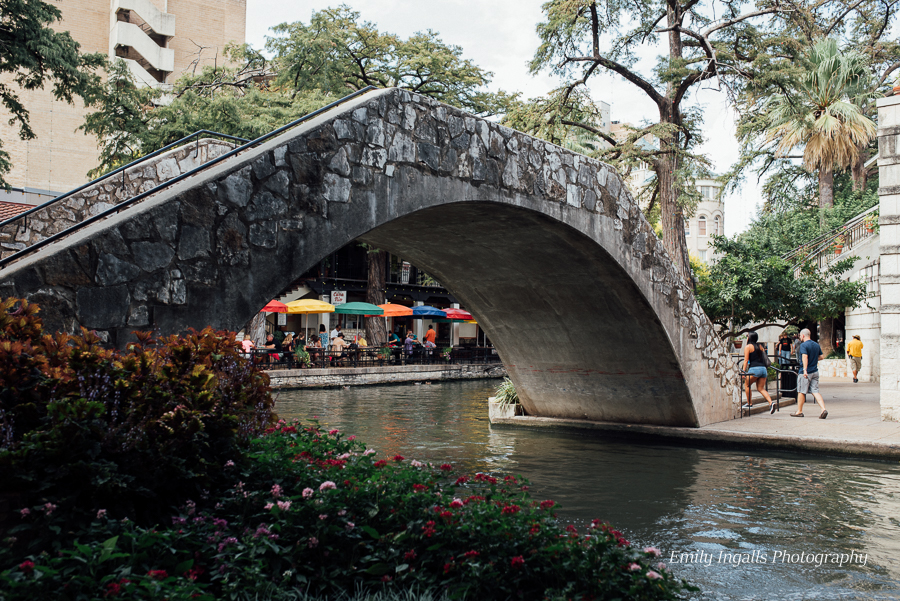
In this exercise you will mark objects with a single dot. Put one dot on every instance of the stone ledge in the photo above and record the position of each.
(368, 376)
(719, 438)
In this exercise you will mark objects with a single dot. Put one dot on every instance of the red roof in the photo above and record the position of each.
(11, 209)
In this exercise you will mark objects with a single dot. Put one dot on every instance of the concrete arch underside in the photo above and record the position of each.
(547, 248)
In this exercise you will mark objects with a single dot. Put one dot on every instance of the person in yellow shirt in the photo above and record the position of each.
(854, 351)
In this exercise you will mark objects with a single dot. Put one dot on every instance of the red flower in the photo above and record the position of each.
(448, 567)
(456, 504)
(419, 487)
(289, 430)
(398, 457)
(535, 529)
(192, 574)
(511, 479)
(409, 555)
(469, 554)
(517, 562)
(380, 463)
(158, 574)
(446, 467)
(386, 578)
(112, 590)
(446, 514)
(547, 504)
(572, 529)
(27, 566)
(461, 480)
(511, 509)
(428, 529)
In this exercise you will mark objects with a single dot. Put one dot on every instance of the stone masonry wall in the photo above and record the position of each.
(108, 193)
(364, 376)
(889, 233)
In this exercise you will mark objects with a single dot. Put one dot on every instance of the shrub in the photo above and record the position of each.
(309, 510)
(82, 426)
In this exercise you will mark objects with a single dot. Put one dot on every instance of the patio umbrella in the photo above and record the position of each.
(305, 306)
(458, 314)
(426, 311)
(275, 307)
(359, 309)
(393, 310)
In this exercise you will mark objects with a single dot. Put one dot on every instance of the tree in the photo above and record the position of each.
(822, 114)
(703, 41)
(750, 288)
(34, 54)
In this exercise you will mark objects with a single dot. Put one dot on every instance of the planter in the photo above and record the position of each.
(870, 229)
(896, 90)
(498, 411)
(838, 249)
(738, 343)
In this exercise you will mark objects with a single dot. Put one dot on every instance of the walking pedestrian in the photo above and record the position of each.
(784, 347)
(854, 351)
(808, 379)
(755, 365)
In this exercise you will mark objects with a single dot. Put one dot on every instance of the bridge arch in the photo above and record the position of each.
(547, 248)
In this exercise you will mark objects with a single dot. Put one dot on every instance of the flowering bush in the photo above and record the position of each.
(84, 427)
(310, 510)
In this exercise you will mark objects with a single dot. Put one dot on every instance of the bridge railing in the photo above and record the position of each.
(131, 201)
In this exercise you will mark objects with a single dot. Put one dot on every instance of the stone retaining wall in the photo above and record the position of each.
(364, 376)
(108, 193)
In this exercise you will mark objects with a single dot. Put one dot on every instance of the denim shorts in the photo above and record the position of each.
(758, 371)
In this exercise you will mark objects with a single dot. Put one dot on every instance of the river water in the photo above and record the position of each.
(763, 508)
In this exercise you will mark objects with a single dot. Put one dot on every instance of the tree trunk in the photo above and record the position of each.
(376, 332)
(256, 329)
(826, 187)
(672, 218)
(826, 336)
(858, 169)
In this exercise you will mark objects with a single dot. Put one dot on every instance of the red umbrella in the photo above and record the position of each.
(458, 314)
(275, 307)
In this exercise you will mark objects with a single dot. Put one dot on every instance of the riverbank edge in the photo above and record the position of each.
(716, 437)
(337, 377)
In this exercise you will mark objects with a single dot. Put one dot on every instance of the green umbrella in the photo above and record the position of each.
(358, 309)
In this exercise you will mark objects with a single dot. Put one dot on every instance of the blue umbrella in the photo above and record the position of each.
(426, 311)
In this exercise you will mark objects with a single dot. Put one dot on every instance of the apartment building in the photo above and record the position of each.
(708, 220)
(159, 40)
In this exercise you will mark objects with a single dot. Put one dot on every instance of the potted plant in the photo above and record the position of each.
(838, 245)
(871, 222)
(505, 401)
(739, 341)
(445, 353)
(384, 354)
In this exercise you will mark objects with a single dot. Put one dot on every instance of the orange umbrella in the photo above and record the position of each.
(275, 307)
(394, 310)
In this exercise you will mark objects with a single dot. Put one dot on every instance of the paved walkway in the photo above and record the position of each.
(853, 426)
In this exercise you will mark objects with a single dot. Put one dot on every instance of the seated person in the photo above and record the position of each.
(271, 344)
(338, 345)
(247, 346)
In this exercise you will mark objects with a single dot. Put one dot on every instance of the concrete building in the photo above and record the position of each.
(708, 220)
(160, 39)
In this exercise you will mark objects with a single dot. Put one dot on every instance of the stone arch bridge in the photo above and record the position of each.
(547, 248)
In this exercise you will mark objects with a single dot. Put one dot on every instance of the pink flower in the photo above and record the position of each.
(313, 542)
(308, 492)
(633, 567)
(344, 456)
(49, 508)
(276, 491)
(652, 551)
(284, 505)
(328, 484)
(653, 575)
(352, 437)
(229, 463)
(333, 432)
(269, 506)
(415, 463)
(101, 514)
(27, 566)
(323, 516)
(24, 512)
(369, 452)
(660, 566)
(517, 562)
(342, 512)
(350, 526)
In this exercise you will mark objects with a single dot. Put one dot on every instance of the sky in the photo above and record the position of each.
(499, 35)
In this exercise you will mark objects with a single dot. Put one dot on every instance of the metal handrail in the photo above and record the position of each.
(182, 177)
(153, 154)
(826, 240)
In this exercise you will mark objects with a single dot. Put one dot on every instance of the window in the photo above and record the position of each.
(701, 225)
(702, 255)
(709, 192)
(687, 228)
(717, 222)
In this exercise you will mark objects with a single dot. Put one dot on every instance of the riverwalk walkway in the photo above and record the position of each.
(853, 426)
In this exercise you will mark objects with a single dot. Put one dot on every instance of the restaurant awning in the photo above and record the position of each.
(275, 307)
(359, 309)
(309, 305)
(394, 310)
(427, 311)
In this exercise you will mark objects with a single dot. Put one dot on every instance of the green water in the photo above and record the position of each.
(679, 499)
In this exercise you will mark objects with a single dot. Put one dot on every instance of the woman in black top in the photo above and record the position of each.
(784, 346)
(755, 366)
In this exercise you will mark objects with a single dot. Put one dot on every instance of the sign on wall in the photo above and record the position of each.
(282, 319)
(338, 297)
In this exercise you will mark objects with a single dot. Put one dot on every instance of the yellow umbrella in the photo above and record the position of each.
(305, 306)
(308, 305)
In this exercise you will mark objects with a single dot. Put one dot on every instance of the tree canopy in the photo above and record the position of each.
(32, 55)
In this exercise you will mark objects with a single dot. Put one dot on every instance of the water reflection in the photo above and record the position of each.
(677, 498)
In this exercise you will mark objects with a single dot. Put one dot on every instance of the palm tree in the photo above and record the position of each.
(823, 114)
